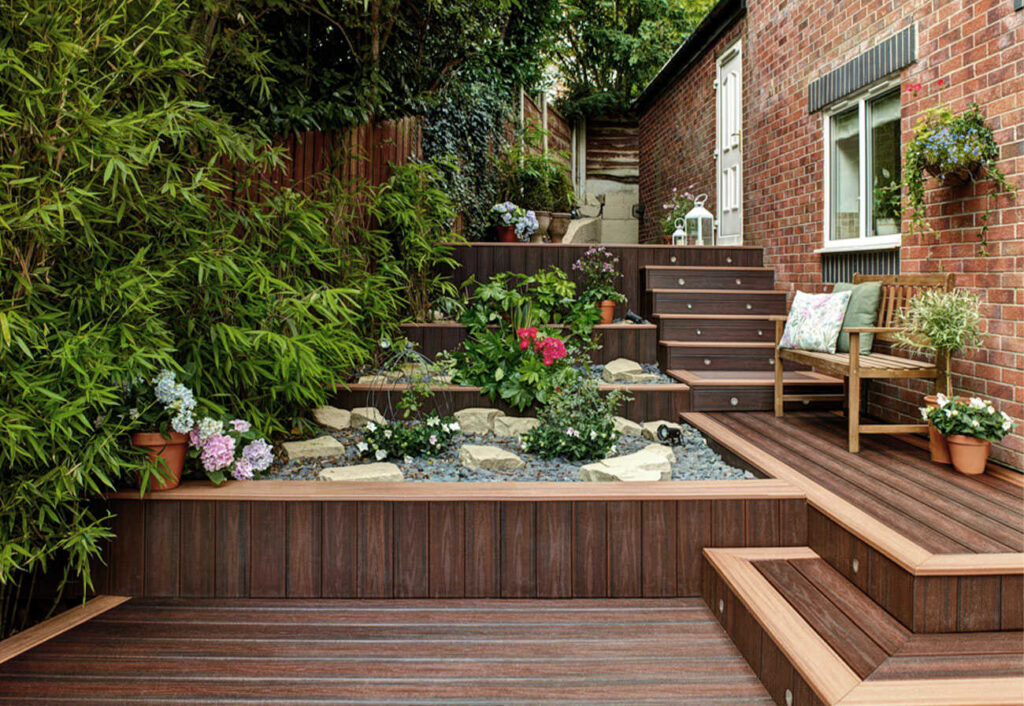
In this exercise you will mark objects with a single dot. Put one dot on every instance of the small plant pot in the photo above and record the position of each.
(543, 221)
(559, 226)
(607, 307)
(937, 444)
(507, 234)
(171, 455)
(968, 453)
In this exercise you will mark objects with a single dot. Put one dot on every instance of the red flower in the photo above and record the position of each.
(550, 349)
(526, 337)
(941, 82)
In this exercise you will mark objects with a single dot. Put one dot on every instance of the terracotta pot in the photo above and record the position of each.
(507, 234)
(543, 221)
(936, 441)
(171, 453)
(969, 453)
(559, 225)
(607, 307)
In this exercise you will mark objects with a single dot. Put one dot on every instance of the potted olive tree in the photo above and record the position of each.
(945, 323)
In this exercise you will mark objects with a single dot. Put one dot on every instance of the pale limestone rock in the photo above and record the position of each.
(373, 380)
(641, 377)
(361, 416)
(477, 420)
(332, 418)
(513, 426)
(313, 448)
(619, 369)
(414, 370)
(650, 429)
(627, 427)
(651, 463)
(489, 458)
(362, 472)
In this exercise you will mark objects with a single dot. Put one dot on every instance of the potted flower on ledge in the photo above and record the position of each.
(945, 323)
(969, 427)
(513, 223)
(599, 269)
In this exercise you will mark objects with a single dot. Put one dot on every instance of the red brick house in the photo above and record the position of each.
(783, 111)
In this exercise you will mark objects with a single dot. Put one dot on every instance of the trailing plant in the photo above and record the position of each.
(406, 439)
(974, 417)
(577, 424)
(599, 268)
(676, 208)
(416, 214)
(951, 145)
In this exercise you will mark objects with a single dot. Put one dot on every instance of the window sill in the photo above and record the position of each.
(881, 242)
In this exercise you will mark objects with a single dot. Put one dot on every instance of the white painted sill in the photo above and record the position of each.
(881, 242)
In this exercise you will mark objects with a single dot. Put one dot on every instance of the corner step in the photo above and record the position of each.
(715, 355)
(813, 638)
(754, 390)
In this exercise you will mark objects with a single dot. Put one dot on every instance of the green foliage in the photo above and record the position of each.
(496, 360)
(600, 270)
(606, 51)
(464, 126)
(578, 424)
(887, 200)
(547, 297)
(417, 215)
(528, 176)
(942, 321)
(121, 257)
(408, 438)
(951, 145)
(975, 417)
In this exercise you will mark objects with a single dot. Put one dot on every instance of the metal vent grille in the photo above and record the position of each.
(876, 63)
(841, 267)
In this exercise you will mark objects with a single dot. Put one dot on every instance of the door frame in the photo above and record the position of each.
(734, 50)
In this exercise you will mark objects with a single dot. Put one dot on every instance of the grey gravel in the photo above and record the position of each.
(695, 460)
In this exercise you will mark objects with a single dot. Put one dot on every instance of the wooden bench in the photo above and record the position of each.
(855, 366)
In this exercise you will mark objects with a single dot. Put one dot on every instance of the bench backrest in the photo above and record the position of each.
(898, 290)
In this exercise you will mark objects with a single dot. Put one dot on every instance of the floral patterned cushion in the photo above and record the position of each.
(815, 321)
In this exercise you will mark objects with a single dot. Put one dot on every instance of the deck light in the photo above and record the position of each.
(699, 221)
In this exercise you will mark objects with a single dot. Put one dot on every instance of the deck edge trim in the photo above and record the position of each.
(50, 628)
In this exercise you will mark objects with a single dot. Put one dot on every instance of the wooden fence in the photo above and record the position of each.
(365, 152)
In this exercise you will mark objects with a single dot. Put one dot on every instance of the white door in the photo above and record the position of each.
(729, 147)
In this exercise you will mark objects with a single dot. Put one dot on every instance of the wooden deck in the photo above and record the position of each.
(498, 651)
(894, 481)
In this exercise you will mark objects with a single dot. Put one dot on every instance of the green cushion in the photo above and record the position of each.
(862, 311)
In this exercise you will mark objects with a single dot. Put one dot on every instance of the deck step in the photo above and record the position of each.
(721, 327)
(812, 637)
(719, 355)
(661, 277)
(715, 301)
(750, 390)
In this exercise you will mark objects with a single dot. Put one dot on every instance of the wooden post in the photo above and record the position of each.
(942, 364)
(854, 398)
(779, 390)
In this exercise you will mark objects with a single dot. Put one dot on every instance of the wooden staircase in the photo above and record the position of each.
(716, 336)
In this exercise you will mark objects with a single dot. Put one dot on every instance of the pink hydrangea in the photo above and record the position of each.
(240, 425)
(194, 440)
(259, 454)
(218, 452)
(243, 470)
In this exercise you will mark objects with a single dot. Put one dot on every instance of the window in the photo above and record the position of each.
(862, 173)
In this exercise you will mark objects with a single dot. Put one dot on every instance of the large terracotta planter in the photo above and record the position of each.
(607, 307)
(937, 443)
(543, 221)
(507, 234)
(968, 453)
(171, 455)
(559, 226)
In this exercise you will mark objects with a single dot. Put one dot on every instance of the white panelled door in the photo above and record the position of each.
(729, 147)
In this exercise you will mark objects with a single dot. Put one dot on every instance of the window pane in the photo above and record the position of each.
(885, 164)
(845, 175)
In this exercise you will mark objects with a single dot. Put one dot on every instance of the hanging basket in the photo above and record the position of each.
(955, 177)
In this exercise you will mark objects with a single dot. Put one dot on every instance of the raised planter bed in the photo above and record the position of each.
(650, 401)
(637, 342)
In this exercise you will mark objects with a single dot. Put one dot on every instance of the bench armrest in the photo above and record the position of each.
(778, 317)
(871, 329)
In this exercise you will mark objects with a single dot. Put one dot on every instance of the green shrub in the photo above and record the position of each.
(578, 423)
(121, 256)
(397, 440)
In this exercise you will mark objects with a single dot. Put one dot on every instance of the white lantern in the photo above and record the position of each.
(679, 234)
(700, 222)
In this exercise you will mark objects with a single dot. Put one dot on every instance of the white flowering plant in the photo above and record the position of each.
(973, 417)
(428, 437)
(577, 424)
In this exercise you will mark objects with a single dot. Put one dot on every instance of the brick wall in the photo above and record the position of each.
(974, 46)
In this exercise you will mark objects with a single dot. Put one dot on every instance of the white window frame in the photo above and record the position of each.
(864, 241)
(735, 192)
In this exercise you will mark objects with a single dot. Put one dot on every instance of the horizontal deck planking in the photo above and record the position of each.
(577, 546)
(409, 651)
